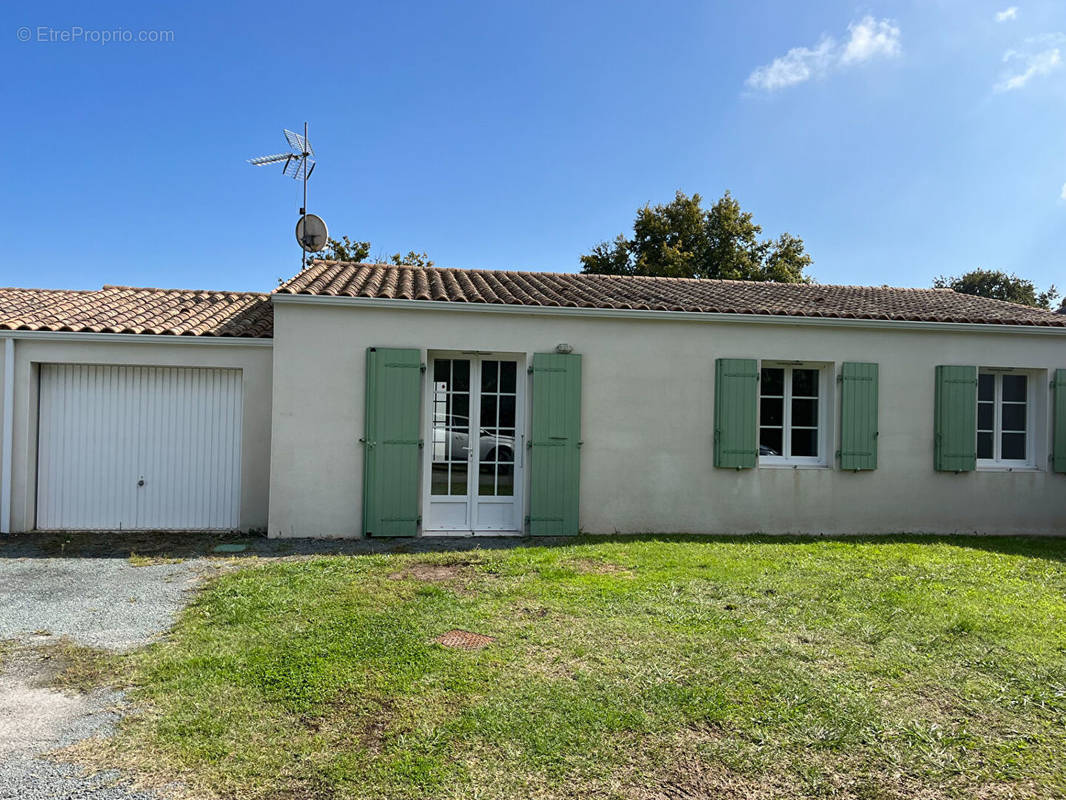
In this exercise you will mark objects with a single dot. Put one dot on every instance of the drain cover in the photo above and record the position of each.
(230, 548)
(464, 640)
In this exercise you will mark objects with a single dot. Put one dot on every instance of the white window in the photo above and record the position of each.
(792, 415)
(1004, 420)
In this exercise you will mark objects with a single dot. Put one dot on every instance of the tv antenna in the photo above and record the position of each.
(299, 164)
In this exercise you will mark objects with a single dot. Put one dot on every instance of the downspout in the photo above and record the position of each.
(6, 435)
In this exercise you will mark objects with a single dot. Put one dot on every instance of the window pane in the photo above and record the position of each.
(490, 376)
(772, 411)
(773, 381)
(505, 480)
(439, 480)
(508, 371)
(986, 387)
(501, 446)
(1013, 446)
(1014, 387)
(984, 445)
(488, 411)
(460, 376)
(805, 383)
(457, 443)
(986, 416)
(770, 441)
(1013, 416)
(458, 478)
(805, 413)
(805, 443)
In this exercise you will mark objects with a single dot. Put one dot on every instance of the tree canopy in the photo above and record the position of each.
(681, 239)
(345, 249)
(998, 285)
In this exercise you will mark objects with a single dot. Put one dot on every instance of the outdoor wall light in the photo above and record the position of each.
(564, 348)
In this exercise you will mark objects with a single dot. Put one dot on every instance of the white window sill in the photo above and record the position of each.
(787, 465)
(1008, 468)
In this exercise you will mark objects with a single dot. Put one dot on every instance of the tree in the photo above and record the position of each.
(345, 249)
(998, 285)
(683, 240)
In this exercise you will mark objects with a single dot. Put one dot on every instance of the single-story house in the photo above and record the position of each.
(379, 400)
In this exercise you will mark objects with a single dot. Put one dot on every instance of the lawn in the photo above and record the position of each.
(621, 668)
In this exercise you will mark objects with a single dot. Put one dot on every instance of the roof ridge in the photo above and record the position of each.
(173, 289)
(601, 275)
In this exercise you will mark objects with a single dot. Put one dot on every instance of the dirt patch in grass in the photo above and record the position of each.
(430, 572)
(693, 778)
(592, 566)
(72, 667)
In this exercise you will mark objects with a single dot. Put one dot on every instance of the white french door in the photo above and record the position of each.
(475, 445)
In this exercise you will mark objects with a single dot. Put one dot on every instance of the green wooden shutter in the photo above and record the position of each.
(1058, 439)
(391, 445)
(736, 400)
(955, 434)
(858, 416)
(555, 460)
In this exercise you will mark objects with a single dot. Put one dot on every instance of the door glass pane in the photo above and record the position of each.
(488, 410)
(458, 484)
(804, 383)
(490, 376)
(439, 480)
(1013, 446)
(486, 482)
(507, 411)
(461, 375)
(984, 445)
(804, 442)
(986, 387)
(508, 373)
(1014, 388)
(505, 480)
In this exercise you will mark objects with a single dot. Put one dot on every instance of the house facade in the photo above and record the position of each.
(398, 401)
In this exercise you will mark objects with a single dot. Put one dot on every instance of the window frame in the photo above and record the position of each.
(821, 461)
(997, 463)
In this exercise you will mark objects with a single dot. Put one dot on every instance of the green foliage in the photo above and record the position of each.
(345, 249)
(412, 259)
(681, 239)
(719, 667)
(998, 285)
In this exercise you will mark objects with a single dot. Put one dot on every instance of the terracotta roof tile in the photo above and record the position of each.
(342, 279)
(124, 309)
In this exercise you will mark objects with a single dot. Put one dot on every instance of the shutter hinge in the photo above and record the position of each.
(422, 368)
(421, 444)
(580, 443)
(529, 369)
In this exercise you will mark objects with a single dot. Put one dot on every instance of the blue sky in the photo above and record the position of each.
(899, 140)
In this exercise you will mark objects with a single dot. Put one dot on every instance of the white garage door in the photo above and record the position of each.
(138, 448)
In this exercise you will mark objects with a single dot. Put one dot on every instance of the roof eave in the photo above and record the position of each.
(687, 316)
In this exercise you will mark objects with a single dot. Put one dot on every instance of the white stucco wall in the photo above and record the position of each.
(647, 420)
(254, 360)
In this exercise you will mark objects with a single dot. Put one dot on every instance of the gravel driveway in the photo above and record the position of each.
(98, 600)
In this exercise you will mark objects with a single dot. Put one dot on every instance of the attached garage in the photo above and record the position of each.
(134, 409)
(142, 448)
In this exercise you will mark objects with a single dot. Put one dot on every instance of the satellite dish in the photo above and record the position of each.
(311, 233)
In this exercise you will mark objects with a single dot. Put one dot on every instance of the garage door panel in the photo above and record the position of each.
(105, 429)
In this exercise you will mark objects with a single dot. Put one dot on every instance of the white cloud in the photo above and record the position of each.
(1039, 56)
(867, 39)
(1063, 195)
(795, 66)
(1007, 14)
(870, 38)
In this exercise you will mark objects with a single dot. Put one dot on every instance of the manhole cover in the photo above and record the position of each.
(230, 548)
(464, 640)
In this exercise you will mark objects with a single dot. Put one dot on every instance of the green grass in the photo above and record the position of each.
(623, 668)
